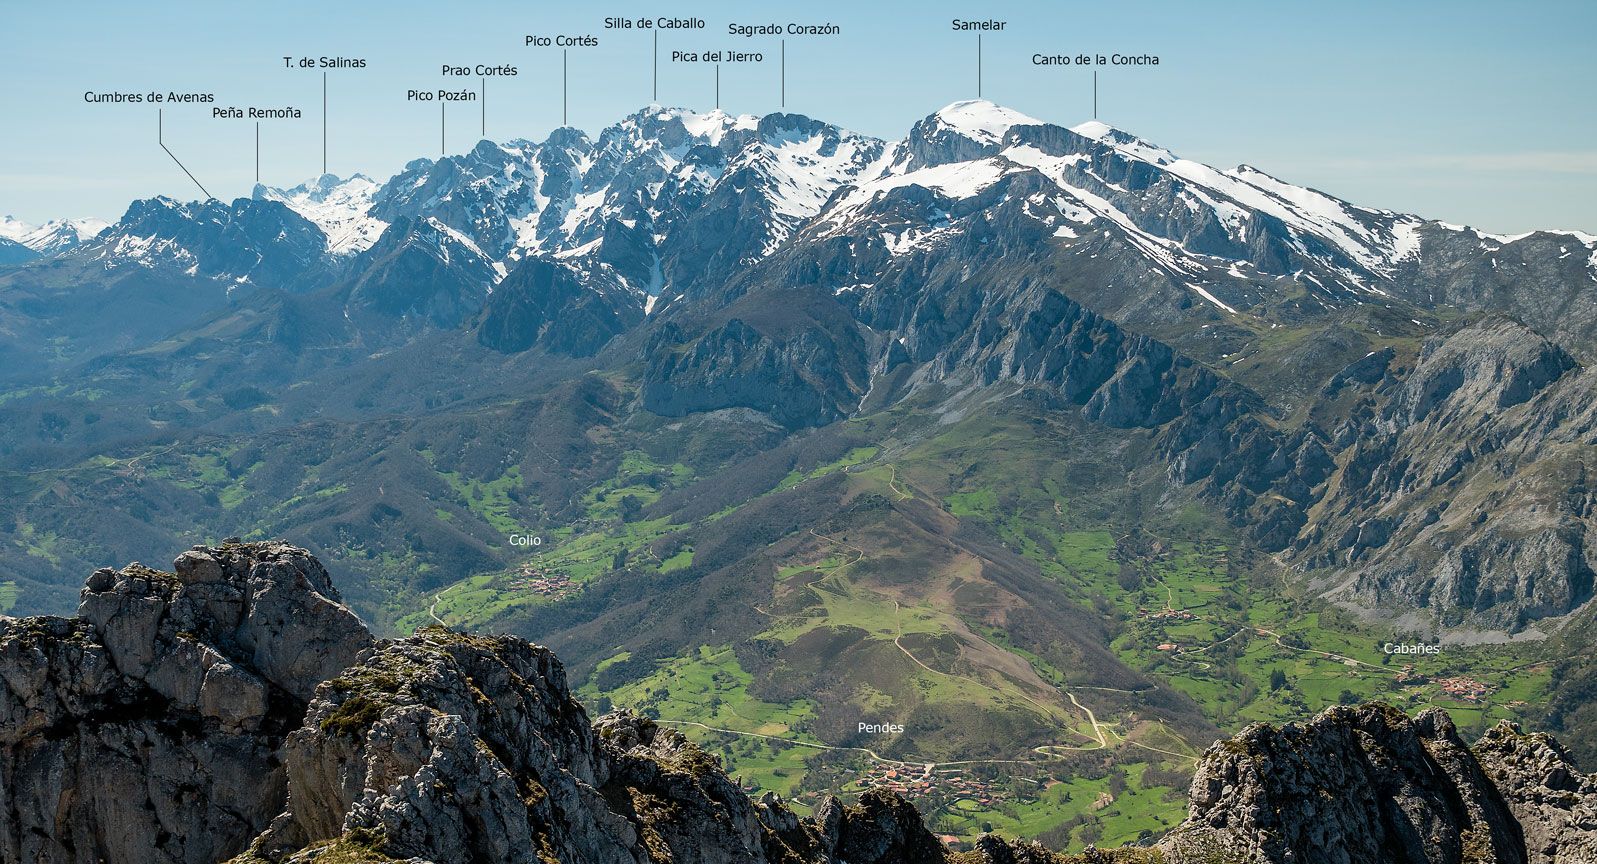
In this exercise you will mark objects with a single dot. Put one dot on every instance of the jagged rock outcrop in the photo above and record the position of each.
(454, 748)
(1555, 804)
(146, 729)
(1367, 784)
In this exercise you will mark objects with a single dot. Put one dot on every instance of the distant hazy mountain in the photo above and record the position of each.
(53, 237)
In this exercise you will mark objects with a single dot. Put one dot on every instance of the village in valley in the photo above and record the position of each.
(917, 781)
(553, 584)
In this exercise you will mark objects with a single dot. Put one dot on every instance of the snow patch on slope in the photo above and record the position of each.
(341, 208)
(1210, 297)
(957, 180)
(1125, 142)
(712, 126)
(801, 170)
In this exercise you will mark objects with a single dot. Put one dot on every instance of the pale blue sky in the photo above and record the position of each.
(1472, 112)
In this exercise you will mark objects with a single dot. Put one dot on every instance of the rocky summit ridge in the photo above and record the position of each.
(233, 709)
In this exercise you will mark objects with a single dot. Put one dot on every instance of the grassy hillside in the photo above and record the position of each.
(955, 579)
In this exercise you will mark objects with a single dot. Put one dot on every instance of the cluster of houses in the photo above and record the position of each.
(1459, 686)
(543, 582)
(1165, 614)
(902, 778)
(917, 781)
(1464, 687)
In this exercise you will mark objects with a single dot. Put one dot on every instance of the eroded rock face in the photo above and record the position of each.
(547, 305)
(810, 377)
(1367, 784)
(146, 729)
(1461, 490)
(450, 748)
(1555, 804)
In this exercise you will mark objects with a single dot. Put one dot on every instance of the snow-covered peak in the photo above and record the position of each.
(801, 162)
(1124, 141)
(1094, 129)
(329, 186)
(981, 120)
(341, 208)
(711, 126)
(55, 236)
(87, 228)
(159, 203)
(961, 132)
(675, 130)
(15, 229)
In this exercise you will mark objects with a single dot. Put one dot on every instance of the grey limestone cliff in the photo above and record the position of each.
(1369, 784)
(147, 728)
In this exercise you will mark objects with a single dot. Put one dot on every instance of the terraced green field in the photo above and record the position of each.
(489, 500)
(610, 534)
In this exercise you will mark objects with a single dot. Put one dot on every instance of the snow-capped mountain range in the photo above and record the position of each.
(669, 201)
(53, 237)
(613, 203)
(236, 244)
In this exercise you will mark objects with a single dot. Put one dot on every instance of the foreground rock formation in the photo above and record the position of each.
(233, 709)
(1368, 784)
(148, 727)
